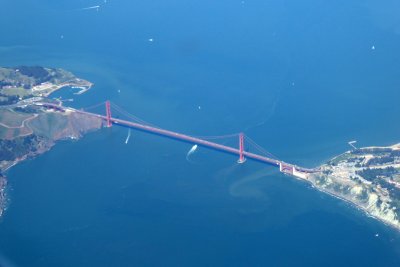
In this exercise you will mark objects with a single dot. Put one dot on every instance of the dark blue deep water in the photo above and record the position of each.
(299, 77)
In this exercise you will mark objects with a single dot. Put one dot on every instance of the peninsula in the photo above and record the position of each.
(368, 177)
(27, 130)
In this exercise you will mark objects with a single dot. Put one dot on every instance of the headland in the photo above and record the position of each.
(27, 130)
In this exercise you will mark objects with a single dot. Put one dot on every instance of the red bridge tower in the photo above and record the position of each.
(108, 114)
(241, 148)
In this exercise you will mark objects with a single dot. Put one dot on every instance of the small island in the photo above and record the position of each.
(27, 130)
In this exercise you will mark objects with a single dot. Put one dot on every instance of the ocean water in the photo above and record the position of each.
(300, 78)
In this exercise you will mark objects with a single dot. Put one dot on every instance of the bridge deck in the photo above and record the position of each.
(185, 138)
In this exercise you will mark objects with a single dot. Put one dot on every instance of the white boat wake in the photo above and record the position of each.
(91, 7)
(191, 151)
(129, 136)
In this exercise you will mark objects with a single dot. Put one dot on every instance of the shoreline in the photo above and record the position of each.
(3, 196)
(86, 86)
(358, 207)
(43, 145)
(38, 91)
(341, 197)
(364, 210)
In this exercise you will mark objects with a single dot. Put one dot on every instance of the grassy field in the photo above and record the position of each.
(12, 118)
(49, 124)
(11, 134)
(20, 92)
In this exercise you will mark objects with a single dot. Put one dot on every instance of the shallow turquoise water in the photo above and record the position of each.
(301, 80)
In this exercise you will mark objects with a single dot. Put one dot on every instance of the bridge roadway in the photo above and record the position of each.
(183, 137)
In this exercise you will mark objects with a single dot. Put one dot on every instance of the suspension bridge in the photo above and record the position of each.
(135, 123)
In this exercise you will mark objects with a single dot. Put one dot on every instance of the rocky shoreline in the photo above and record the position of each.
(5, 166)
(3, 197)
(394, 223)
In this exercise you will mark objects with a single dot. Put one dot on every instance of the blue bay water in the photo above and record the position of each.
(300, 78)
